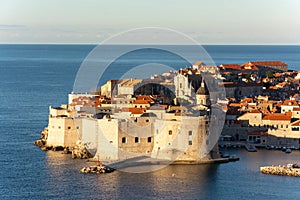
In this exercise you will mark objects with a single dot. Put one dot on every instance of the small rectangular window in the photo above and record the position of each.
(69, 127)
(190, 142)
(190, 132)
(149, 139)
(170, 132)
(124, 139)
(136, 139)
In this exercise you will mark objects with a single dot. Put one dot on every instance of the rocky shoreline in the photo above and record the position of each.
(96, 170)
(281, 170)
(79, 151)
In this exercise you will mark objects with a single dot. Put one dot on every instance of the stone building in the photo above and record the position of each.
(155, 133)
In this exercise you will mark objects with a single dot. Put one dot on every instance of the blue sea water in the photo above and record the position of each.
(33, 77)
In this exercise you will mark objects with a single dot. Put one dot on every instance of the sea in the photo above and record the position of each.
(33, 77)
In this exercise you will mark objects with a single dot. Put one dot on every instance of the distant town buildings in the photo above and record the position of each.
(167, 116)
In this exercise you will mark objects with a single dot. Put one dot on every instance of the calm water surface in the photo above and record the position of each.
(32, 77)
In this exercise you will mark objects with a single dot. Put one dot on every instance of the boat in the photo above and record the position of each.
(225, 155)
(233, 158)
(288, 150)
(250, 148)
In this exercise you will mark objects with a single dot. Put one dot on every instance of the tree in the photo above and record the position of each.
(270, 74)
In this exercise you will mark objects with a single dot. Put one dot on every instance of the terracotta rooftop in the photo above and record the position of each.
(290, 103)
(145, 97)
(269, 63)
(296, 123)
(254, 111)
(296, 109)
(134, 110)
(278, 116)
(198, 63)
(230, 66)
(140, 102)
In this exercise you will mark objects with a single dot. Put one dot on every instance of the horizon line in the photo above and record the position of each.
(206, 44)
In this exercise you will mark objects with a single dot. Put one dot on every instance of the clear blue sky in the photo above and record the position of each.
(209, 21)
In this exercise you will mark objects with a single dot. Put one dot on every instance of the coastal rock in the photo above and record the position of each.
(58, 148)
(96, 170)
(39, 143)
(81, 152)
(44, 134)
(44, 148)
(67, 150)
(280, 170)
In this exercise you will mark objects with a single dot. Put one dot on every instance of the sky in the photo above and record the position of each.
(206, 21)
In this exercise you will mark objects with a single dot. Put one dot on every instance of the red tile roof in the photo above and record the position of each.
(269, 63)
(230, 66)
(140, 102)
(254, 111)
(290, 103)
(296, 123)
(278, 116)
(198, 63)
(145, 97)
(296, 109)
(134, 110)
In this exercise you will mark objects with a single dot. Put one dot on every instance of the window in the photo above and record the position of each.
(77, 127)
(281, 126)
(170, 132)
(124, 140)
(149, 139)
(147, 120)
(69, 127)
(136, 139)
(180, 85)
(58, 127)
(287, 126)
(190, 142)
(190, 132)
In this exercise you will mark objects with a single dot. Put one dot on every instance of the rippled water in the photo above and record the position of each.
(32, 77)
